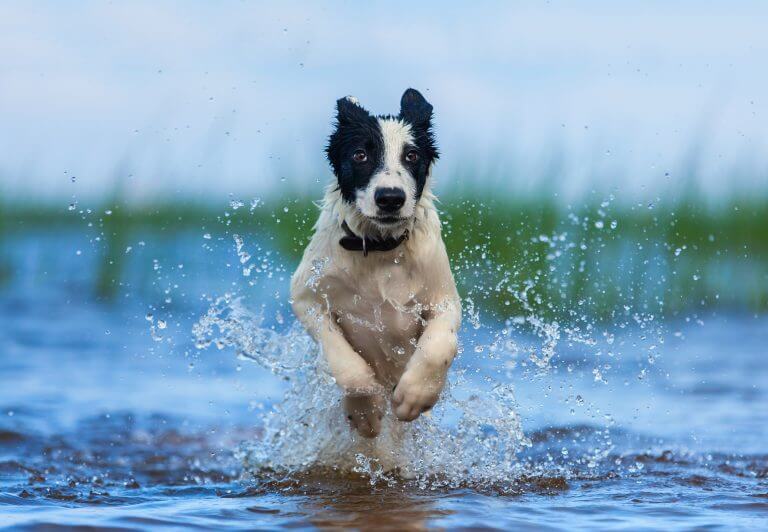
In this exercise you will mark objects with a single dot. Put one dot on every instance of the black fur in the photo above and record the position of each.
(357, 129)
(417, 111)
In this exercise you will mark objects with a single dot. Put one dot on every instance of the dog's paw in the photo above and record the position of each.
(416, 393)
(364, 413)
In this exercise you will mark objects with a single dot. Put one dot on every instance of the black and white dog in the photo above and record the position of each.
(374, 287)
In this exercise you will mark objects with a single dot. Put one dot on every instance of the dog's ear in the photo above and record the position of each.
(349, 110)
(415, 109)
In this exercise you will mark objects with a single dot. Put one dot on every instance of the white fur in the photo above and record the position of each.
(397, 135)
(386, 320)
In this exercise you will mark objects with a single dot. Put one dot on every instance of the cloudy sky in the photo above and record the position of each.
(204, 99)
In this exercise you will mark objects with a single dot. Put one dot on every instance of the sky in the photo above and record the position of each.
(152, 101)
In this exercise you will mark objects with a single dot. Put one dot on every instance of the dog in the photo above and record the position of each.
(374, 287)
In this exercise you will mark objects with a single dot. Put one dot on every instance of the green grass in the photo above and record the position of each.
(663, 259)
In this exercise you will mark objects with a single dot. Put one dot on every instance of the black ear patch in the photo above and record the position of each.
(349, 111)
(356, 129)
(415, 109)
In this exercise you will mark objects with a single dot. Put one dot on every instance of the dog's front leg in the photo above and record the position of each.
(420, 385)
(363, 395)
(363, 401)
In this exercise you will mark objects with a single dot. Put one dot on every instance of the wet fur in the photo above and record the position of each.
(386, 322)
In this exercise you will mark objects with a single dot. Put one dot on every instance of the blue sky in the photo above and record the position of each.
(207, 99)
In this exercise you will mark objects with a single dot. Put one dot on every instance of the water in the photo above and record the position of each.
(109, 419)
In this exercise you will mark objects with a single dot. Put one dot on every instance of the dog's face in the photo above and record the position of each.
(382, 162)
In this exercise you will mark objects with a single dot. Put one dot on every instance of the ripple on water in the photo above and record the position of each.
(125, 460)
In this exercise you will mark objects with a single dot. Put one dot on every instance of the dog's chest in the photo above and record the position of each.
(379, 300)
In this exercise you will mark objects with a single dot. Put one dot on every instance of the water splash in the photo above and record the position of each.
(474, 436)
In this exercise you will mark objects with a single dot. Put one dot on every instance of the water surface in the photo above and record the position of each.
(109, 420)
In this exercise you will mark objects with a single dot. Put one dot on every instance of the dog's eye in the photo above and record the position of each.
(359, 156)
(412, 156)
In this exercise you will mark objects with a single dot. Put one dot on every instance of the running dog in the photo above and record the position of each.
(374, 287)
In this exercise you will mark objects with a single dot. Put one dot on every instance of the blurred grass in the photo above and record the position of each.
(597, 260)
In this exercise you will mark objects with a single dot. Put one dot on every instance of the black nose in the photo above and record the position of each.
(389, 199)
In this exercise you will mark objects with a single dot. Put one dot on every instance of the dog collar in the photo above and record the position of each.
(352, 242)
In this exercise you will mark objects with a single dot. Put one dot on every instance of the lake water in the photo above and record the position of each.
(111, 416)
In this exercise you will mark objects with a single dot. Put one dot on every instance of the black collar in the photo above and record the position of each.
(352, 242)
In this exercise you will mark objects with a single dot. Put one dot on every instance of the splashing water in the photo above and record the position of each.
(473, 437)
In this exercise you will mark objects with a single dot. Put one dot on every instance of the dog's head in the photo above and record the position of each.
(382, 163)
